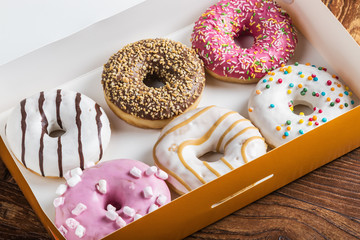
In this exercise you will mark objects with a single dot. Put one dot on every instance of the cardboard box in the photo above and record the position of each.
(76, 63)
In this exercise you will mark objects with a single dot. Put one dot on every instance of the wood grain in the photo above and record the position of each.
(324, 204)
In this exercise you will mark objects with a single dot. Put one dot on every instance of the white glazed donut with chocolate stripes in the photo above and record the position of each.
(55, 131)
(200, 131)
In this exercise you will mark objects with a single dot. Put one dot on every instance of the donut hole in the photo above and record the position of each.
(55, 131)
(154, 80)
(303, 107)
(211, 156)
(114, 202)
(244, 39)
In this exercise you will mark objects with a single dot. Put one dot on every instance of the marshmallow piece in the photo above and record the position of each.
(76, 171)
(80, 231)
(61, 189)
(112, 215)
(71, 223)
(135, 172)
(110, 207)
(63, 230)
(151, 170)
(102, 186)
(129, 211)
(120, 222)
(152, 208)
(58, 201)
(79, 209)
(161, 199)
(67, 175)
(89, 165)
(148, 192)
(161, 174)
(74, 180)
(137, 216)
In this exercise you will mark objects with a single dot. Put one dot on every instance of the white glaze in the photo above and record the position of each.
(267, 118)
(93, 143)
(198, 132)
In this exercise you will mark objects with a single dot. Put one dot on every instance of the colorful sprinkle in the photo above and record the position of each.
(272, 105)
(324, 120)
(278, 128)
(329, 82)
(301, 131)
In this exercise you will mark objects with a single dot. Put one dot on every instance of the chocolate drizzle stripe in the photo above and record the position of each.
(78, 124)
(23, 130)
(58, 102)
(59, 152)
(59, 122)
(44, 125)
(99, 126)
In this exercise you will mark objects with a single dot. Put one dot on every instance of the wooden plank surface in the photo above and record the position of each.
(325, 204)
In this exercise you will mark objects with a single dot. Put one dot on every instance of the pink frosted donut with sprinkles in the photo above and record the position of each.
(295, 99)
(216, 31)
(106, 197)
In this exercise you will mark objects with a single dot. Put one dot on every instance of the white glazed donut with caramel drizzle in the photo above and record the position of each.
(82, 126)
(200, 131)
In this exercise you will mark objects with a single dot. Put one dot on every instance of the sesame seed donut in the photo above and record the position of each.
(208, 129)
(57, 130)
(98, 201)
(129, 74)
(272, 104)
(216, 31)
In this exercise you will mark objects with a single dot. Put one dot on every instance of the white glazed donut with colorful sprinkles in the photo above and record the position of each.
(107, 197)
(271, 105)
(208, 129)
(215, 32)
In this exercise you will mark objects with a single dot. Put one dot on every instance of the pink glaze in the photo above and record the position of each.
(122, 190)
(274, 38)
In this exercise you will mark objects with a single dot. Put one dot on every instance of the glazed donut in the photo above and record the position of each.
(217, 29)
(271, 105)
(57, 130)
(128, 71)
(200, 131)
(108, 196)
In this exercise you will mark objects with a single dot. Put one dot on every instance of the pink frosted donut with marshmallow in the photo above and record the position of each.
(217, 29)
(108, 196)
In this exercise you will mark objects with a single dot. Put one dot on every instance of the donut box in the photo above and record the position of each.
(77, 66)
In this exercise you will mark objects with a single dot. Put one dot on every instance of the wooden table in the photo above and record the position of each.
(325, 204)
